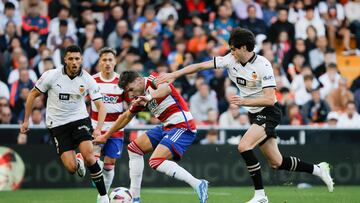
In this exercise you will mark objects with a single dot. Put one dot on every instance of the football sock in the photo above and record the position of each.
(97, 177)
(108, 175)
(136, 166)
(172, 169)
(254, 168)
(295, 164)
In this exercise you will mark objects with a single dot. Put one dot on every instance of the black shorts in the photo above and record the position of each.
(270, 117)
(68, 137)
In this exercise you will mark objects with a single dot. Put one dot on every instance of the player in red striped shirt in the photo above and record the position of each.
(168, 142)
(112, 97)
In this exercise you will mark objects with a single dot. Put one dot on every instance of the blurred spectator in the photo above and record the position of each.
(293, 115)
(310, 42)
(91, 54)
(34, 21)
(154, 59)
(230, 117)
(198, 42)
(63, 14)
(125, 47)
(23, 65)
(298, 49)
(241, 8)
(115, 37)
(135, 10)
(147, 20)
(224, 24)
(39, 5)
(86, 35)
(116, 15)
(339, 98)
(131, 55)
(212, 137)
(281, 24)
(10, 15)
(333, 15)
(202, 101)
(36, 118)
(217, 83)
(281, 47)
(315, 110)
(269, 12)
(353, 16)
(55, 39)
(332, 119)
(317, 56)
(355, 85)
(166, 10)
(176, 57)
(243, 119)
(212, 118)
(6, 115)
(285, 98)
(7, 35)
(86, 17)
(253, 23)
(302, 86)
(296, 11)
(309, 19)
(4, 91)
(329, 80)
(148, 39)
(58, 54)
(350, 119)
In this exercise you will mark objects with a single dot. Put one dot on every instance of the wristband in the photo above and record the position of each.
(148, 97)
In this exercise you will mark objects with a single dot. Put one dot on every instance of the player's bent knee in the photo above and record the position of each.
(156, 162)
(71, 167)
(275, 164)
(89, 159)
(243, 147)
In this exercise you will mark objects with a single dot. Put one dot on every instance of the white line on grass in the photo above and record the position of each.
(158, 191)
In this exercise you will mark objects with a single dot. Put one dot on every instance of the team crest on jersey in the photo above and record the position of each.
(254, 76)
(81, 89)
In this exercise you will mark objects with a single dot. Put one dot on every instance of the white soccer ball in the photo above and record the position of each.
(120, 195)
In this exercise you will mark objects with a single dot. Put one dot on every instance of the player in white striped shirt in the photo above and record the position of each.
(254, 77)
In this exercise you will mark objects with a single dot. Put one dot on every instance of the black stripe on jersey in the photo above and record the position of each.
(215, 63)
(39, 90)
(97, 99)
(269, 86)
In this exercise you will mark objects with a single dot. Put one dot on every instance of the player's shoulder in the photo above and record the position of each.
(261, 63)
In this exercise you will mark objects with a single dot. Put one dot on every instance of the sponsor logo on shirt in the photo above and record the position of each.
(268, 77)
(110, 99)
(63, 96)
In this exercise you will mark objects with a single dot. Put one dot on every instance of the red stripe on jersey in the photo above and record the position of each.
(117, 134)
(191, 123)
(168, 112)
(99, 80)
(110, 117)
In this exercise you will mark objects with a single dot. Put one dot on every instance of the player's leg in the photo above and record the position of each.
(253, 136)
(112, 151)
(69, 161)
(271, 152)
(171, 147)
(136, 150)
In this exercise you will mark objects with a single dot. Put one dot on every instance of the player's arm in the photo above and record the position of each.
(28, 107)
(193, 68)
(120, 123)
(268, 99)
(161, 91)
(101, 114)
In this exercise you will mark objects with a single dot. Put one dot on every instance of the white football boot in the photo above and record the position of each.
(81, 170)
(325, 175)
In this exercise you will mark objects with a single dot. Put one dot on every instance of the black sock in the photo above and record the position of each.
(253, 167)
(295, 164)
(97, 177)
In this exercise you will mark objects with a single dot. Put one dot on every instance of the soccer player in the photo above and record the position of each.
(67, 118)
(254, 77)
(168, 142)
(112, 97)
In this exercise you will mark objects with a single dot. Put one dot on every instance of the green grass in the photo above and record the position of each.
(186, 195)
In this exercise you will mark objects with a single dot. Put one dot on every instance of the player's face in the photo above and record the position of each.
(73, 61)
(136, 88)
(107, 63)
(237, 53)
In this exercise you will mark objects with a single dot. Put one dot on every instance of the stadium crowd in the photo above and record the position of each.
(298, 37)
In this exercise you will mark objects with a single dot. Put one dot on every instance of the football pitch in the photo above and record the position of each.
(281, 194)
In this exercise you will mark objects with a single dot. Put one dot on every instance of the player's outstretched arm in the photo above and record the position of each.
(161, 91)
(268, 99)
(193, 68)
(28, 107)
(121, 122)
(101, 117)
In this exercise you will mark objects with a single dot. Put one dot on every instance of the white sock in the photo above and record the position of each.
(260, 192)
(108, 178)
(136, 166)
(172, 169)
(316, 171)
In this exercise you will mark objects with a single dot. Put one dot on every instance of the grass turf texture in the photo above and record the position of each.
(279, 194)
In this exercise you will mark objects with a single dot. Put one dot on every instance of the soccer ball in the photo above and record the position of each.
(120, 195)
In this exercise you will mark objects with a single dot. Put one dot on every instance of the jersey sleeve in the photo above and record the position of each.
(43, 84)
(221, 62)
(94, 89)
(267, 76)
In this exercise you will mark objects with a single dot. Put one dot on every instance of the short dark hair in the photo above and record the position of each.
(127, 77)
(242, 37)
(9, 5)
(72, 48)
(106, 50)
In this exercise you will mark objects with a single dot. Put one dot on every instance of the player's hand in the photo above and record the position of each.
(139, 101)
(237, 100)
(24, 128)
(96, 133)
(101, 139)
(166, 78)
